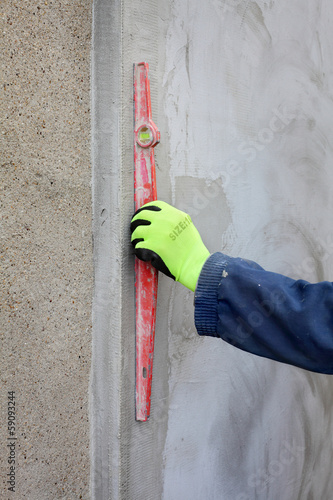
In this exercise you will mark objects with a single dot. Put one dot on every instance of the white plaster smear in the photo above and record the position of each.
(241, 427)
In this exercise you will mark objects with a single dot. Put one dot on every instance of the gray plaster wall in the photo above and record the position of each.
(46, 247)
(242, 94)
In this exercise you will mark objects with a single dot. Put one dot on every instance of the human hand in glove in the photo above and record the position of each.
(167, 237)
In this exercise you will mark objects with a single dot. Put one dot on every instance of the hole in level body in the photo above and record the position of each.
(144, 372)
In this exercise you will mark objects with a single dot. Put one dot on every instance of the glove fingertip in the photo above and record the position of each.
(150, 256)
(143, 254)
(136, 241)
(152, 208)
(139, 222)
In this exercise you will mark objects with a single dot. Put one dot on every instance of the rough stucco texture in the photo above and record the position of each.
(46, 246)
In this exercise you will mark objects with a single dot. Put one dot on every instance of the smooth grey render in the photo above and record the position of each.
(242, 95)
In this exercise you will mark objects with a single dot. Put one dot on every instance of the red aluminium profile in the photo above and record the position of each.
(146, 136)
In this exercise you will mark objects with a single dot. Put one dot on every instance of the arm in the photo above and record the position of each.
(266, 313)
(263, 313)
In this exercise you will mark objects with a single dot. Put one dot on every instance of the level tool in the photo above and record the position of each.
(146, 136)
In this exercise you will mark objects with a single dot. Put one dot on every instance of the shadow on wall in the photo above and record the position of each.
(206, 203)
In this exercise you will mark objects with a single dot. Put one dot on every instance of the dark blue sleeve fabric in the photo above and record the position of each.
(265, 313)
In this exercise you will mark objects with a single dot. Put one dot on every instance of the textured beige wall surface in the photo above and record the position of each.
(46, 259)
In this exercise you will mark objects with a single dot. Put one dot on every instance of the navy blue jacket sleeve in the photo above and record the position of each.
(265, 313)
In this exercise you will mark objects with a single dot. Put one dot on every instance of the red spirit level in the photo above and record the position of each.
(146, 136)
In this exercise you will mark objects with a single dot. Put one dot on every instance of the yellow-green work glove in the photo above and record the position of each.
(168, 239)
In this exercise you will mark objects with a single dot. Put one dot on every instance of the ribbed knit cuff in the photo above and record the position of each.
(206, 294)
